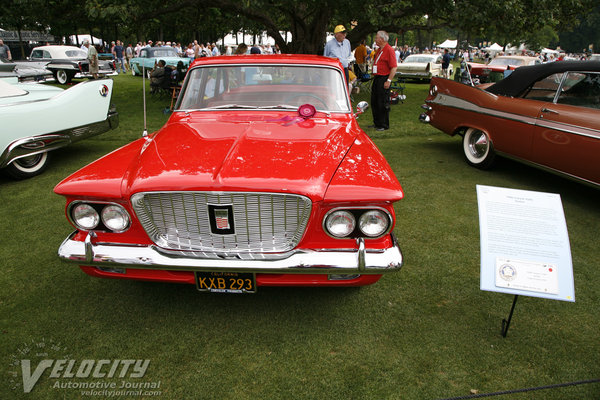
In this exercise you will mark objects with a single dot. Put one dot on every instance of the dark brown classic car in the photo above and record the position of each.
(546, 115)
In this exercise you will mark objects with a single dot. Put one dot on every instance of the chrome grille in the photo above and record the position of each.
(264, 222)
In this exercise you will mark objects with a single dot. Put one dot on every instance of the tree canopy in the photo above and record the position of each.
(504, 21)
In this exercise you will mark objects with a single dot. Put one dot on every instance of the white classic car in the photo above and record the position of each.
(38, 118)
(421, 66)
(67, 62)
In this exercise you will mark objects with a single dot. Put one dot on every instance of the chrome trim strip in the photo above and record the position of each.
(455, 102)
(310, 261)
(569, 128)
(33, 145)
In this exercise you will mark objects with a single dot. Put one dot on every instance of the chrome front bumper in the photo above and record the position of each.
(326, 261)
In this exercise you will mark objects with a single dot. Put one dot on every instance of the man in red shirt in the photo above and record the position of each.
(384, 70)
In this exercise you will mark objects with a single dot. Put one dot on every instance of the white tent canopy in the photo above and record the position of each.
(494, 47)
(83, 38)
(549, 51)
(448, 44)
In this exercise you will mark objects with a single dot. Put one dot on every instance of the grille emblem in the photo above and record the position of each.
(221, 219)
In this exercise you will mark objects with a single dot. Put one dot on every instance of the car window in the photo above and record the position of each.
(506, 61)
(76, 53)
(264, 86)
(581, 89)
(417, 59)
(544, 89)
(40, 54)
(144, 53)
(163, 52)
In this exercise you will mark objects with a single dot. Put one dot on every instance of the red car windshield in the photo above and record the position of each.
(257, 86)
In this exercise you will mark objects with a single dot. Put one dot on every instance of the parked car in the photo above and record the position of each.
(67, 62)
(421, 66)
(545, 115)
(150, 56)
(494, 71)
(23, 71)
(260, 177)
(38, 118)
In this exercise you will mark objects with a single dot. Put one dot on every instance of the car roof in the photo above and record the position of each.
(57, 49)
(523, 77)
(269, 59)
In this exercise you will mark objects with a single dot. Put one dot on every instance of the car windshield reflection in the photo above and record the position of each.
(264, 87)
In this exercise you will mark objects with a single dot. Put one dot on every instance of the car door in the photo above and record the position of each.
(40, 58)
(567, 133)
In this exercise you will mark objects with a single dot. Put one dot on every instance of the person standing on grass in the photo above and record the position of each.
(339, 47)
(92, 57)
(5, 50)
(384, 70)
(446, 64)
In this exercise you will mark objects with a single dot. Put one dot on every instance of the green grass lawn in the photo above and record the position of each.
(426, 332)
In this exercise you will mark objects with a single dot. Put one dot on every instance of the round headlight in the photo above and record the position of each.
(374, 223)
(85, 216)
(340, 223)
(115, 218)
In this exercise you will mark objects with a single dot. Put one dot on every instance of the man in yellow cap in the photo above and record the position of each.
(339, 47)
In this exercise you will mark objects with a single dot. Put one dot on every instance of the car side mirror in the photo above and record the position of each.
(361, 107)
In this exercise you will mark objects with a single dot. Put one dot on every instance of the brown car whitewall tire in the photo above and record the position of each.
(478, 149)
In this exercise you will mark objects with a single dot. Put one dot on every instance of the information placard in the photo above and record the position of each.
(524, 243)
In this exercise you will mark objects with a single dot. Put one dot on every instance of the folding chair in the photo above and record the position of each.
(398, 85)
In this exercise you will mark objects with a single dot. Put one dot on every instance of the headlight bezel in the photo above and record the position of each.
(380, 214)
(98, 207)
(77, 221)
(116, 207)
(358, 212)
(339, 212)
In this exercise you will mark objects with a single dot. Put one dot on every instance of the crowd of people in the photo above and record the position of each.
(122, 54)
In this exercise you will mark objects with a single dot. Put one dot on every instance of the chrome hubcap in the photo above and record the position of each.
(478, 144)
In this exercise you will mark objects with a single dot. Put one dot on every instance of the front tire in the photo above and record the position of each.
(28, 167)
(63, 77)
(133, 70)
(478, 149)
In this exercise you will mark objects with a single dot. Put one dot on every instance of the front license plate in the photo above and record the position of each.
(226, 282)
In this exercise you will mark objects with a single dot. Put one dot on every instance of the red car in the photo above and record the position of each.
(499, 64)
(261, 177)
(545, 115)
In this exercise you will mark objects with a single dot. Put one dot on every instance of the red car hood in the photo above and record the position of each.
(276, 152)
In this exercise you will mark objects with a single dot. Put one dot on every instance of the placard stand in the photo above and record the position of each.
(506, 323)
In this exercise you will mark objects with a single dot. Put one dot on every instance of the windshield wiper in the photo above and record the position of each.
(226, 106)
(280, 106)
